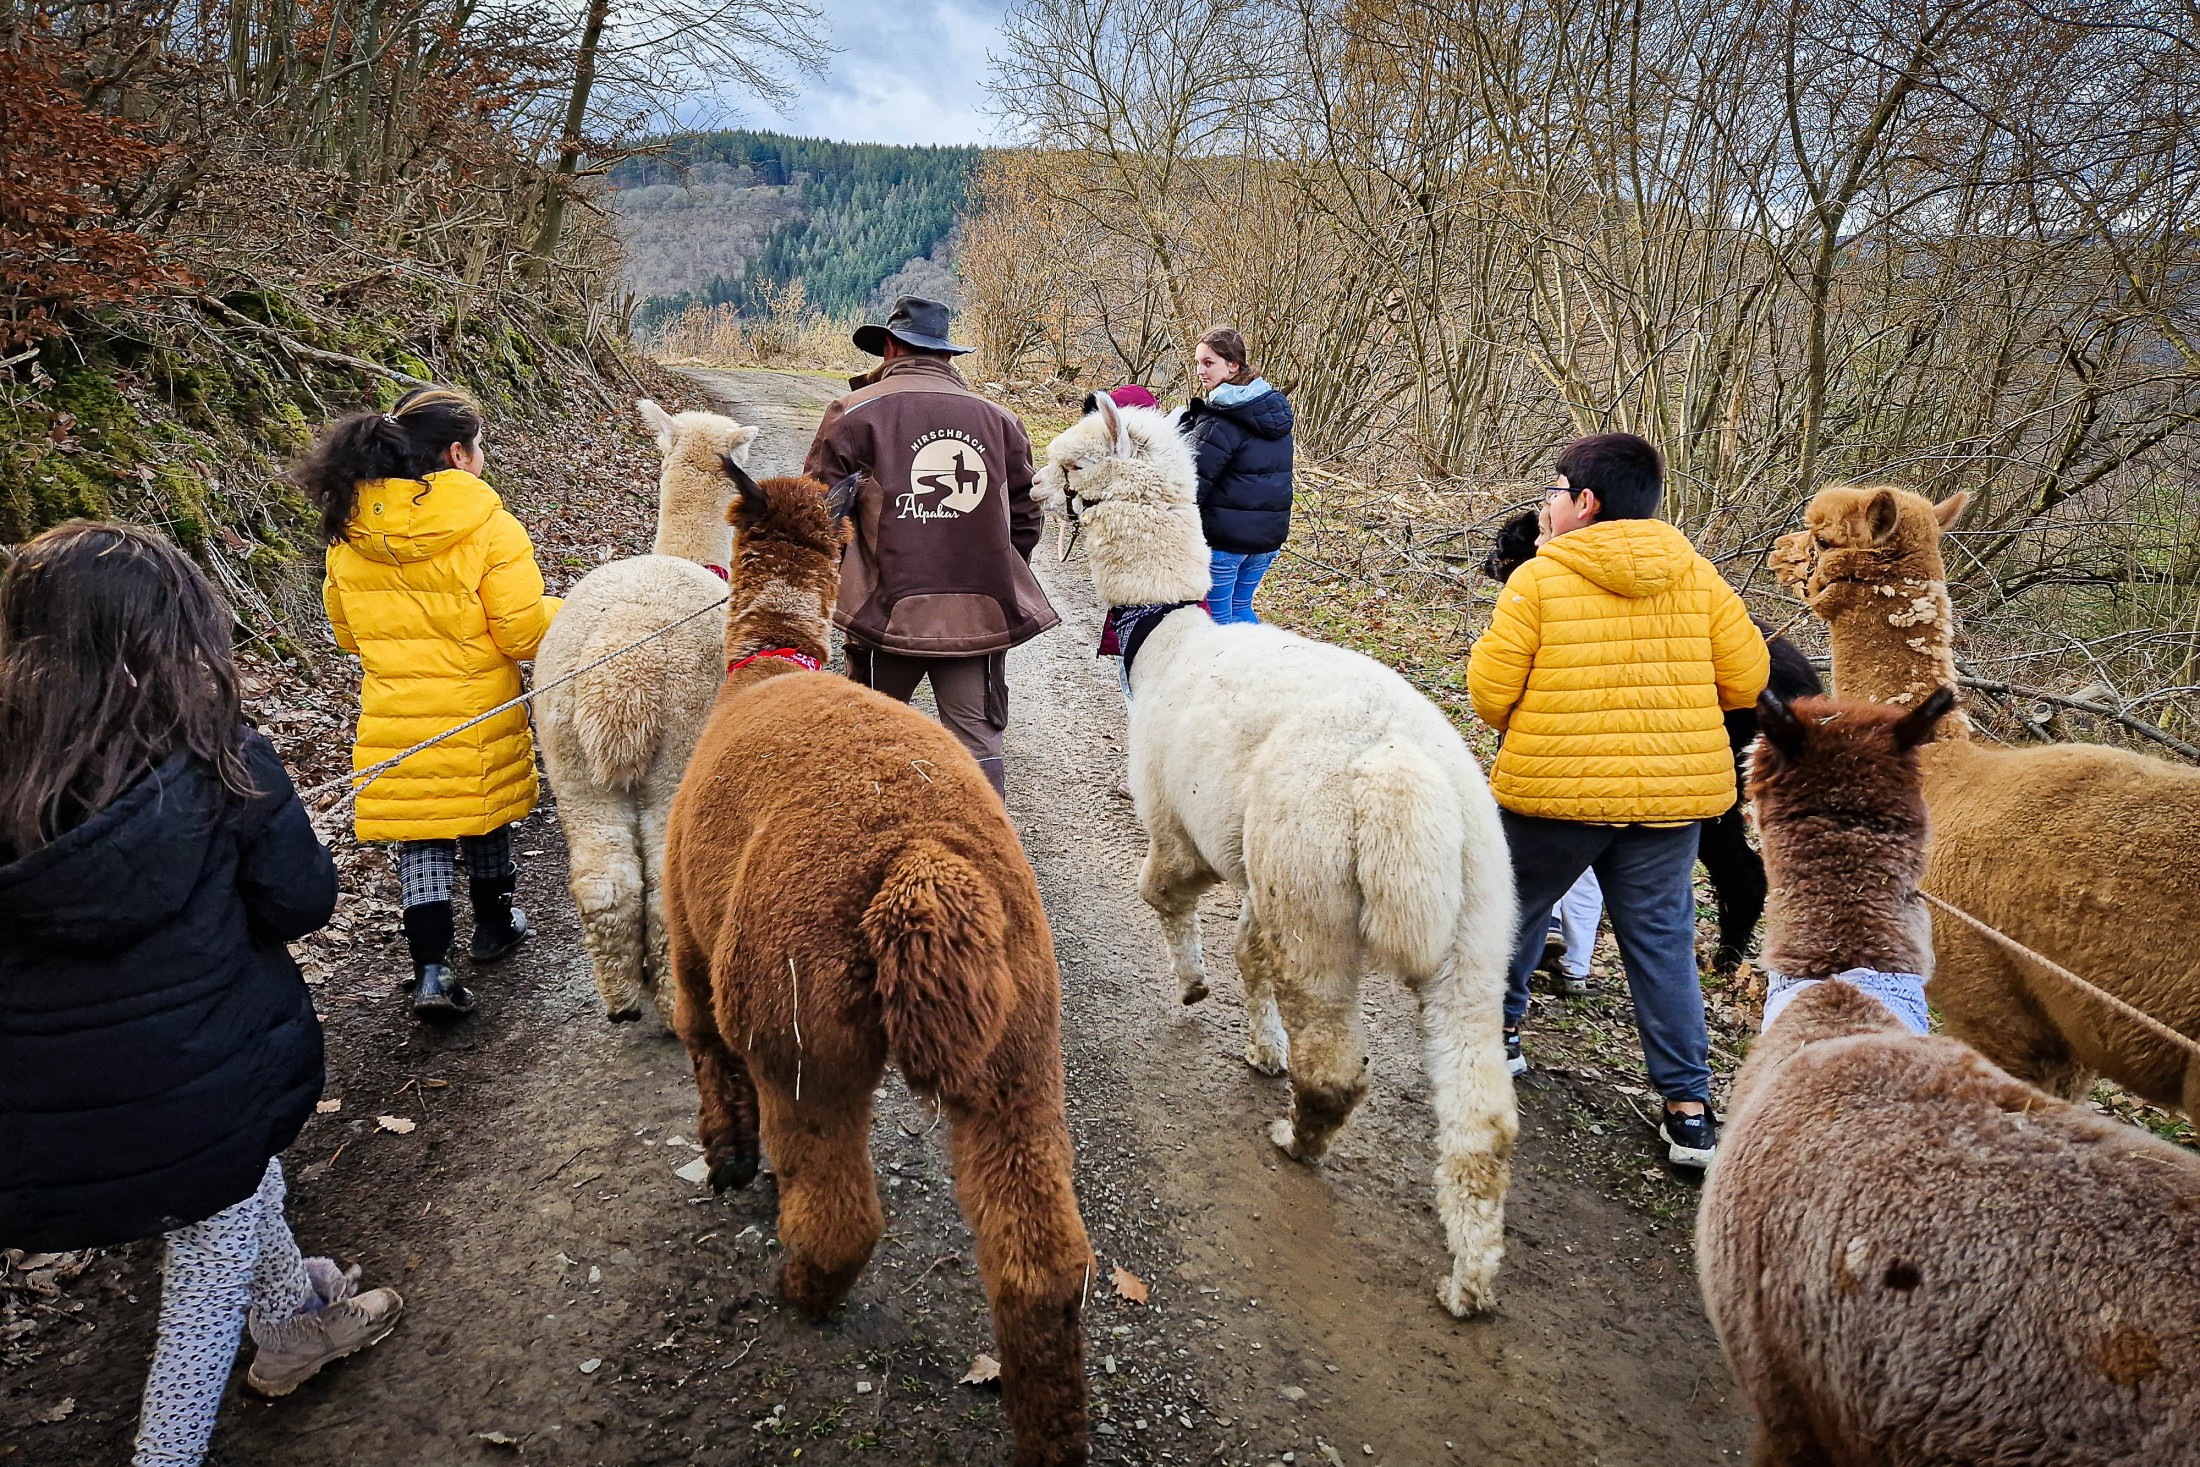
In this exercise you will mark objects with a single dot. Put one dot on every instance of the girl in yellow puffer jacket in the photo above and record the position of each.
(433, 583)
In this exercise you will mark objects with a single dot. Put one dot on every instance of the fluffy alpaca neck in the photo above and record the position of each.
(703, 536)
(779, 599)
(1146, 554)
(1851, 904)
(1893, 642)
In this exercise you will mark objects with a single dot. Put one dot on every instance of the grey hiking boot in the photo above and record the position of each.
(292, 1351)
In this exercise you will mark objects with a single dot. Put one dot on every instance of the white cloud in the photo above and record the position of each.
(904, 73)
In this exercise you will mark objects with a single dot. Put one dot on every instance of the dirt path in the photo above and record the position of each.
(571, 1295)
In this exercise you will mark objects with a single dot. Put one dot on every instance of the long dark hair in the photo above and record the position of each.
(410, 441)
(114, 656)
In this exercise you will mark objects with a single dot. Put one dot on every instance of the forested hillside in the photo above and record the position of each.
(733, 218)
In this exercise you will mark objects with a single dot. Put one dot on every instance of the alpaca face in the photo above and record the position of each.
(1085, 462)
(1865, 532)
(1124, 476)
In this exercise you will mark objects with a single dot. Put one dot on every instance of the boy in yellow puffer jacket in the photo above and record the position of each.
(433, 583)
(1609, 662)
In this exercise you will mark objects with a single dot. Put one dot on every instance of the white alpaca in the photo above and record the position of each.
(615, 740)
(1344, 808)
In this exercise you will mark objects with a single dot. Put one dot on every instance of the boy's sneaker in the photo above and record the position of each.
(1690, 1141)
(1516, 1063)
(292, 1352)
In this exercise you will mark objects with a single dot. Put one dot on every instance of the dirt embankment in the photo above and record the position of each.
(572, 1300)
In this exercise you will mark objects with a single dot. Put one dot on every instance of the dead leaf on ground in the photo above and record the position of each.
(498, 1439)
(327, 1107)
(983, 1370)
(53, 1414)
(1129, 1285)
(398, 1124)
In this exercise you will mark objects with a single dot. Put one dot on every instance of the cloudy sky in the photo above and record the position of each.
(908, 71)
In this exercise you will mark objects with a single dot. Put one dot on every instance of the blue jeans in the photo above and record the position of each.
(1235, 576)
(1645, 871)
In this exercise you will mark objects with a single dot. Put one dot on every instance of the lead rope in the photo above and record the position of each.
(373, 772)
(2138, 1016)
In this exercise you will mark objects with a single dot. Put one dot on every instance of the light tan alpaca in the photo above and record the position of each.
(615, 740)
(2081, 852)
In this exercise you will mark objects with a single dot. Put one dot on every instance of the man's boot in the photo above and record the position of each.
(498, 925)
(435, 993)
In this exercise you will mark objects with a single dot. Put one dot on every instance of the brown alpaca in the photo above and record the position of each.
(2081, 852)
(1910, 1256)
(843, 888)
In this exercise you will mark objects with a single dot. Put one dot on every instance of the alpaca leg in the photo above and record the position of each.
(1171, 884)
(1737, 885)
(725, 1120)
(657, 960)
(1463, 1048)
(606, 882)
(1328, 1048)
(1267, 1048)
(1012, 1176)
(1784, 1434)
(829, 1217)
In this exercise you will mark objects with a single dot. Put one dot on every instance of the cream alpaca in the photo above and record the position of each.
(2083, 853)
(1342, 806)
(615, 741)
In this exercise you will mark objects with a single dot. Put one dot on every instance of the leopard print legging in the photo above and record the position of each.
(240, 1260)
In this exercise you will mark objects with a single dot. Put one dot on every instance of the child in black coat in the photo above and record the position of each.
(159, 1046)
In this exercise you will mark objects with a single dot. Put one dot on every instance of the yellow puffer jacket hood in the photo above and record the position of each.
(1631, 558)
(1609, 661)
(436, 588)
(400, 520)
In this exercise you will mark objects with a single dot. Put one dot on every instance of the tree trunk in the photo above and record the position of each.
(569, 140)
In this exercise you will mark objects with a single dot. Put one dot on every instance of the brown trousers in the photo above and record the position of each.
(971, 692)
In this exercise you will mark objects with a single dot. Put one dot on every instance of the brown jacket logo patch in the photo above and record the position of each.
(946, 462)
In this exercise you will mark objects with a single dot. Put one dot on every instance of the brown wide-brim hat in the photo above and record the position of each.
(915, 322)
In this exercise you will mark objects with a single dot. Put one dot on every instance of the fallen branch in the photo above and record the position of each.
(2082, 705)
(298, 348)
(2085, 705)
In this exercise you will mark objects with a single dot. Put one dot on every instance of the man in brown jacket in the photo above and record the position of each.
(937, 581)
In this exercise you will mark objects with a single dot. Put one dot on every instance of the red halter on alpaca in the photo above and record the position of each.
(788, 654)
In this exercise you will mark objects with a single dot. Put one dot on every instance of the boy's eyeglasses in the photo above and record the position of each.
(1560, 489)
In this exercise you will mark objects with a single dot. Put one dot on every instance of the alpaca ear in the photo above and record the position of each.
(1882, 516)
(659, 422)
(737, 444)
(1111, 417)
(749, 503)
(1917, 725)
(1777, 723)
(840, 500)
(1949, 510)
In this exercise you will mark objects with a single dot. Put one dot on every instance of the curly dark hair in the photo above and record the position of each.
(409, 441)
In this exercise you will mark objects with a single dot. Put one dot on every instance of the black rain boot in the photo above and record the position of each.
(428, 935)
(498, 925)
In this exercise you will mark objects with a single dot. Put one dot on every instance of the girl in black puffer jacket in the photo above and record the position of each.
(1241, 446)
(157, 1045)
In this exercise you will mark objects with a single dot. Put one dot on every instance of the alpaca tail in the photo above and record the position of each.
(617, 712)
(939, 938)
(1409, 830)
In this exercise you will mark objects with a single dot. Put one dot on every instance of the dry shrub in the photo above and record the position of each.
(785, 334)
